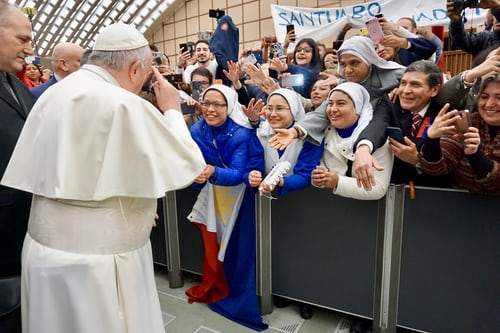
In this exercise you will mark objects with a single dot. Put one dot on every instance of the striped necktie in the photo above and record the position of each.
(416, 120)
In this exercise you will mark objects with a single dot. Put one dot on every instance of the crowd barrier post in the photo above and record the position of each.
(175, 278)
(263, 257)
(388, 257)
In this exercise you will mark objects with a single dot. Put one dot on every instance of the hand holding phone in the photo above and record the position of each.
(290, 29)
(462, 123)
(395, 133)
(292, 80)
(375, 30)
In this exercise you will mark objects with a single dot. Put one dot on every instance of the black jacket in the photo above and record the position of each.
(395, 116)
(471, 42)
(14, 204)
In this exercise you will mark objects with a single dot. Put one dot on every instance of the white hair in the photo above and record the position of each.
(117, 60)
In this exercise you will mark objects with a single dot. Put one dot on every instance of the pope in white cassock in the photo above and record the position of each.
(96, 157)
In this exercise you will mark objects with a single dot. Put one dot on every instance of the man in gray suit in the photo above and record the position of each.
(15, 104)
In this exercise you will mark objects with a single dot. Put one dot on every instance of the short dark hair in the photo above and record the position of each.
(202, 71)
(429, 68)
(204, 41)
(413, 23)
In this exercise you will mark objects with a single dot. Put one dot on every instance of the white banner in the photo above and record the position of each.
(323, 23)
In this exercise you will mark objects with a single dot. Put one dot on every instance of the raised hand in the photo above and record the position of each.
(278, 65)
(256, 74)
(254, 109)
(283, 137)
(183, 58)
(233, 73)
(444, 123)
(269, 85)
(167, 96)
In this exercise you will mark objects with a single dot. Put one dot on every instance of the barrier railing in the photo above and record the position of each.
(457, 61)
(419, 264)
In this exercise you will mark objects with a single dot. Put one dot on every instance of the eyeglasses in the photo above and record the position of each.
(304, 49)
(277, 109)
(216, 105)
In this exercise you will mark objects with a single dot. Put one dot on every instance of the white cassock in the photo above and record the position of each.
(96, 157)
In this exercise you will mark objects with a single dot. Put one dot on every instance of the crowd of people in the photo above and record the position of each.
(350, 119)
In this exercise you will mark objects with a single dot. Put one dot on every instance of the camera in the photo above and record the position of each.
(216, 13)
(460, 5)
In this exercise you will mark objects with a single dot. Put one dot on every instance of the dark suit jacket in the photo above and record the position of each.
(402, 172)
(14, 204)
(421, 48)
(39, 90)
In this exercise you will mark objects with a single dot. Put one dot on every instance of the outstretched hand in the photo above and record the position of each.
(283, 137)
(254, 109)
(364, 168)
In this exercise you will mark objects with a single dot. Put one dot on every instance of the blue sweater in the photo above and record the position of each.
(227, 148)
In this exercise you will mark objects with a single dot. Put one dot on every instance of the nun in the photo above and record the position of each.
(359, 63)
(224, 211)
(349, 112)
(282, 110)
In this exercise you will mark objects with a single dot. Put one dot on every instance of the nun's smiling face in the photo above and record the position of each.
(214, 108)
(278, 112)
(341, 110)
(353, 68)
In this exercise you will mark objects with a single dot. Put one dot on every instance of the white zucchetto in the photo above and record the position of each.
(119, 37)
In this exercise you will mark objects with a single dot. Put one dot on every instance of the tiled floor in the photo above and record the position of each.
(181, 317)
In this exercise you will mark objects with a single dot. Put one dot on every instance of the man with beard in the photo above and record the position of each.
(202, 55)
(472, 42)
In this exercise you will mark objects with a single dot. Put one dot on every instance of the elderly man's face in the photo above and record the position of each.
(15, 38)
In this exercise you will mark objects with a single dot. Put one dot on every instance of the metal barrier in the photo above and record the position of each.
(416, 264)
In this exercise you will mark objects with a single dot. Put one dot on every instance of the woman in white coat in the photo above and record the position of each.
(349, 111)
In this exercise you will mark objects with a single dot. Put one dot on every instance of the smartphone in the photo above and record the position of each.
(462, 124)
(290, 27)
(395, 133)
(258, 56)
(159, 58)
(196, 90)
(216, 13)
(293, 80)
(278, 50)
(174, 78)
(375, 30)
(186, 109)
(185, 47)
(250, 59)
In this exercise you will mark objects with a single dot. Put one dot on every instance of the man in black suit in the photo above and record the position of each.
(15, 104)
(413, 113)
